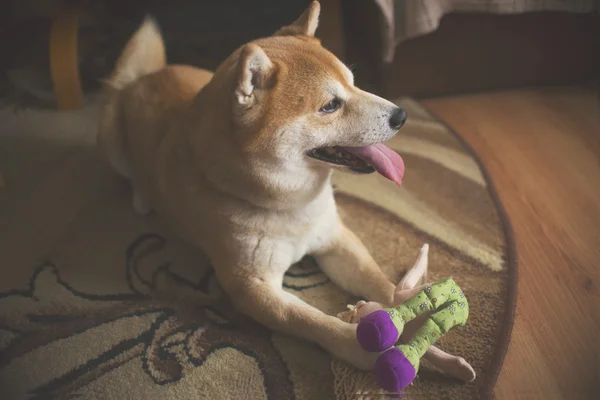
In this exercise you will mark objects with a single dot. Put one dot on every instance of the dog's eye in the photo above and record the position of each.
(331, 106)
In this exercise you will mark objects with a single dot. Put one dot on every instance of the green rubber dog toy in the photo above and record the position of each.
(379, 331)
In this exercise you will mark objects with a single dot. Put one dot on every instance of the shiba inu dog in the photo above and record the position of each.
(239, 163)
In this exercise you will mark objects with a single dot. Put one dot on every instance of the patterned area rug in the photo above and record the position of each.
(97, 302)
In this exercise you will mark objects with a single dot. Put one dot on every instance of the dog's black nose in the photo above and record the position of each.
(398, 118)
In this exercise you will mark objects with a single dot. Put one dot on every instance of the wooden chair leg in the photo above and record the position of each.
(64, 66)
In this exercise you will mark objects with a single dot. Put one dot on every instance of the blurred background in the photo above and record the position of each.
(419, 48)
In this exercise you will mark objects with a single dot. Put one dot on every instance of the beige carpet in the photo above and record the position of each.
(97, 302)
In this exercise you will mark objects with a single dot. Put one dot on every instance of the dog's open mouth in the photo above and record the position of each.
(339, 156)
(364, 160)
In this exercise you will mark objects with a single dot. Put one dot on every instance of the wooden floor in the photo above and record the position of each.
(542, 150)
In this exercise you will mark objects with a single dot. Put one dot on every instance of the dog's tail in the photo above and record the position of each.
(143, 55)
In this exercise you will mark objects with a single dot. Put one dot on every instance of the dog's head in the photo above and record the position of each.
(295, 103)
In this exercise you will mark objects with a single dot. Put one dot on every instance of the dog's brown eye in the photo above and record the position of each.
(331, 106)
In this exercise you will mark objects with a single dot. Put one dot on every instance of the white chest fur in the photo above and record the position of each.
(273, 241)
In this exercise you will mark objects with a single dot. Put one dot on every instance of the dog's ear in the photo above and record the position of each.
(255, 71)
(305, 25)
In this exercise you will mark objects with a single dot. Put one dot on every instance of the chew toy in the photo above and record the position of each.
(445, 306)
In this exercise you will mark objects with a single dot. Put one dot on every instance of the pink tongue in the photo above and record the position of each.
(385, 160)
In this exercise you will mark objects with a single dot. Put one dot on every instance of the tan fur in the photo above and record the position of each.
(222, 159)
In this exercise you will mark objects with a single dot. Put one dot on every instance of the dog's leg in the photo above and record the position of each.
(111, 137)
(265, 301)
(348, 263)
(112, 142)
